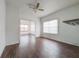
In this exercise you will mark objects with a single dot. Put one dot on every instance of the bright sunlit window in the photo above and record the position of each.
(50, 27)
(24, 28)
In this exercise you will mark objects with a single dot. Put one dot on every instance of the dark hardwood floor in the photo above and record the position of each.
(31, 47)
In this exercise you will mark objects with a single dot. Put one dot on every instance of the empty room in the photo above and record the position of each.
(39, 28)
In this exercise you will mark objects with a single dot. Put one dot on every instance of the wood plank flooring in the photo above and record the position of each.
(31, 47)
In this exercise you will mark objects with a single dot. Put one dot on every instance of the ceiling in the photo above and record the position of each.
(50, 6)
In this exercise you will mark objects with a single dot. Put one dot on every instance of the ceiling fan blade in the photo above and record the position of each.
(37, 6)
(41, 9)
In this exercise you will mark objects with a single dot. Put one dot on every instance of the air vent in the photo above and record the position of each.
(72, 22)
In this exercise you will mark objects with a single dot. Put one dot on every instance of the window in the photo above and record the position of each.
(50, 27)
(27, 27)
(24, 28)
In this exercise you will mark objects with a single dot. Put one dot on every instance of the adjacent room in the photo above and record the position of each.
(39, 28)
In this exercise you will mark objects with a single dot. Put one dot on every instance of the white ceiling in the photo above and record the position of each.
(50, 6)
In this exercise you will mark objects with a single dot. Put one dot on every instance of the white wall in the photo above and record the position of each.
(2, 25)
(67, 33)
(12, 25)
(37, 27)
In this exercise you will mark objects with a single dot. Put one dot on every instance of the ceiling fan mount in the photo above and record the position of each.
(35, 6)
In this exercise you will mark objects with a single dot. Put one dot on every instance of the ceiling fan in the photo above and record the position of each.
(35, 6)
